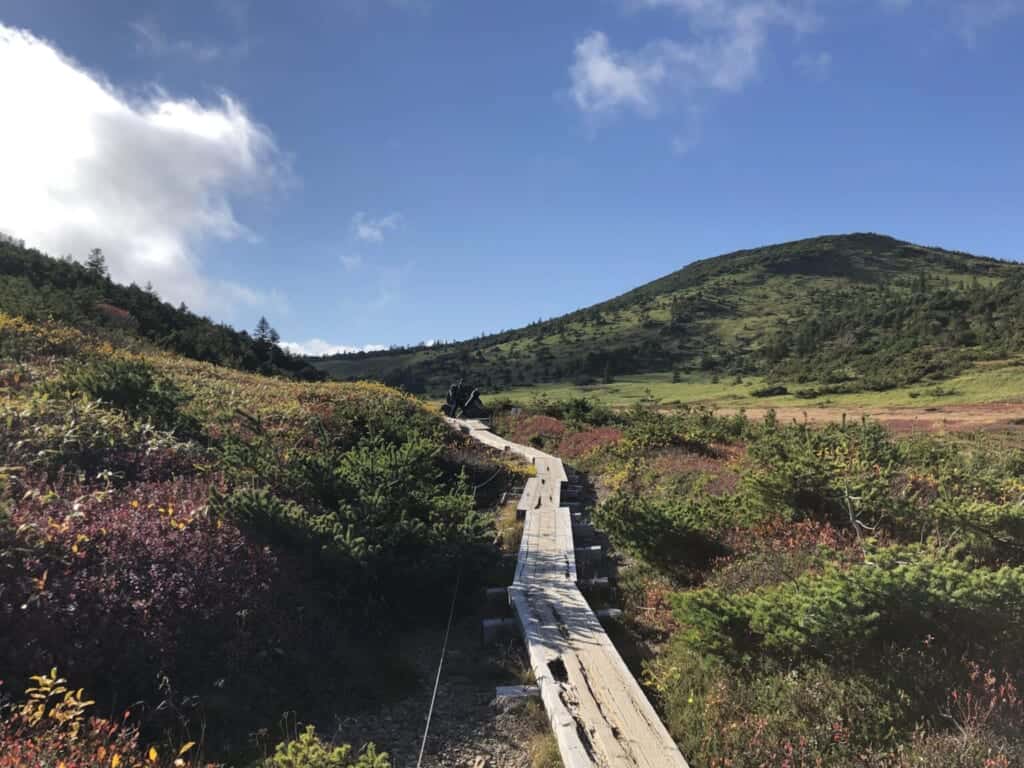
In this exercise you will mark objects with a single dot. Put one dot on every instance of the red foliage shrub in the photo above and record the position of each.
(137, 583)
(988, 700)
(782, 536)
(654, 611)
(720, 478)
(101, 744)
(577, 444)
(536, 426)
(116, 315)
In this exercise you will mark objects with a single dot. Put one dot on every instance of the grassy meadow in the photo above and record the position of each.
(998, 381)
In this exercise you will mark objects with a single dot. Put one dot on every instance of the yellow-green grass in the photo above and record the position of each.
(988, 382)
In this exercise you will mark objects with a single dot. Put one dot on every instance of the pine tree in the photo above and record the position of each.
(97, 262)
(262, 332)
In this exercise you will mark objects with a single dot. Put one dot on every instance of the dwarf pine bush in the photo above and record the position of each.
(899, 595)
(308, 750)
(130, 385)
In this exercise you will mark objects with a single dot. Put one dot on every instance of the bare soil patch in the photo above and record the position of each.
(906, 420)
(466, 730)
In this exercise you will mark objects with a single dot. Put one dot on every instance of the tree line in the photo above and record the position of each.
(38, 287)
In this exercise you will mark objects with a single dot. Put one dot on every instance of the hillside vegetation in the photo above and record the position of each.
(202, 550)
(37, 287)
(833, 314)
(803, 597)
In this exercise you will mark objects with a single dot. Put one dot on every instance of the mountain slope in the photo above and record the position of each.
(178, 538)
(771, 310)
(38, 287)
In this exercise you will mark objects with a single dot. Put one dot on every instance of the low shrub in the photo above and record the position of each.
(576, 445)
(52, 729)
(131, 385)
(898, 595)
(141, 584)
(696, 429)
(378, 522)
(773, 391)
(804, 716)
(675, 534)
(837, 473)
(307, 750)
(21, 341)
(537, 430)
(77, 435)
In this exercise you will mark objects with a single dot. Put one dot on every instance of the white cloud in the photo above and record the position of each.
(604, 80)
(815, 66)
(682, 144)
(319, 347)
(371, 229)
(974, 16)
(969, 18)
(722, 52)
(146, 180)
(150, 40)
(351, 261)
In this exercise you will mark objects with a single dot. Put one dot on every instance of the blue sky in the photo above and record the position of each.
(373, 172)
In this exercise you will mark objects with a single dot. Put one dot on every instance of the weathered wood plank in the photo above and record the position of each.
(598, 713)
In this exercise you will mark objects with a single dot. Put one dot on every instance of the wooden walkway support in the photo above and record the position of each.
(599, 714)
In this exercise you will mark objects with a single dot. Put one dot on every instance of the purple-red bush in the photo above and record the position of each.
(139, 582)
(533, 428)
(577, 444)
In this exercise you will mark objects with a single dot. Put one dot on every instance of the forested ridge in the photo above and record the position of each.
(38, 287)
(905, 331)
(895, 311)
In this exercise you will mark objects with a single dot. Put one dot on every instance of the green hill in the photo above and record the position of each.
(38, 287)
(843, 312)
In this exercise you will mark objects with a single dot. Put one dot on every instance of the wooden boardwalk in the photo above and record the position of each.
(598, 712)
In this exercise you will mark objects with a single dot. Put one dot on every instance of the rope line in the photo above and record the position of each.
(485, 482)
(440, 664)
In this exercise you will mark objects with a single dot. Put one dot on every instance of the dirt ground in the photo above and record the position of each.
(905, 420)
(467, 731)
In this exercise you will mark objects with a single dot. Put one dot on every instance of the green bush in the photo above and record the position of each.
(826, 474)
(309, 751)
(129, 385)
(692, 428)
(804, 716)
(55, 434)
(899, 595)
(259, 511)
(668, 532)
(378, 520)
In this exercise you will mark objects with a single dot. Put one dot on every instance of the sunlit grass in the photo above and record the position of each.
(991, 382)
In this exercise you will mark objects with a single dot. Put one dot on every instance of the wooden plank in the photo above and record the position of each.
(598, 713)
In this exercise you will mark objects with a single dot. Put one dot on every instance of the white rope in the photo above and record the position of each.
(440, 664)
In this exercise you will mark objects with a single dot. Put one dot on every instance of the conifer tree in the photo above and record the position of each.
(97, 262)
